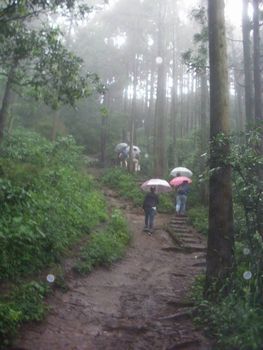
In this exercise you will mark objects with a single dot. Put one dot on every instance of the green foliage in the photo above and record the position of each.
(105, 247)
(25, 303)
(232, 322)
(128, 187)
(40, 65)
(45, 210)
(235, 322)
(14, 10)
(199, 218)
(28, 300)
(125, 184)
(9, 320)
(166, 204)
(247, 161)
(46, 204)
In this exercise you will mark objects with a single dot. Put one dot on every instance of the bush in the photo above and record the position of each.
(105, 247)
(166, 204)
(232, 322)
(44, 210)
(25, 303)
(199, 218)
(10, 318)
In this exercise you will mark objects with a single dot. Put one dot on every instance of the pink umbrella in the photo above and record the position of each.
(177, 181)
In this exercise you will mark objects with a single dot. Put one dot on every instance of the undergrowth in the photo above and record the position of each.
(106, 246)
(47, 203)
(24, 303)
(232, 323)
(198, 216)
(128, 186)
(234, 320)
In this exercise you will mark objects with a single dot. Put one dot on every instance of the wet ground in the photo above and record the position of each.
(138, 303)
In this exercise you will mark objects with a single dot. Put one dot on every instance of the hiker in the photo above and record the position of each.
(181, 198)
(150, 203)
(136, 164)
(123, 156)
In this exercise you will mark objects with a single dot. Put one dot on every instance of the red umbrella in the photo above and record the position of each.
(177, 181)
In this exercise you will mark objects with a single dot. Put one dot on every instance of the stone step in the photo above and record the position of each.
(194, 246)
(188, 235)
(179, 222)
(193, 343)
(189, 241)
(200, 264)
(184, 249)
(179, 228)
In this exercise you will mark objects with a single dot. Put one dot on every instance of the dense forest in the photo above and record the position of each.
(180, 80)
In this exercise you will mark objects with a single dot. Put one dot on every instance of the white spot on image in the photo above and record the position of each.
(50, 278)
(247, 275)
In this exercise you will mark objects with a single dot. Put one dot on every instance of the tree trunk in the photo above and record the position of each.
(173, 111)
(258, 99)
(133, 115)
(6, 99)
(54, 131)
(160, 157)
(220, 256)
(104, 131)
(246, 27)
(257, 71)
(204, 134)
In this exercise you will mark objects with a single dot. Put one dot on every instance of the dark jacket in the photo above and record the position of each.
(150, 200)
(183, 189)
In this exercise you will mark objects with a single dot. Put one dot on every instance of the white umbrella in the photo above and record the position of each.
(182, 171)
(159, 184)
(120, 146)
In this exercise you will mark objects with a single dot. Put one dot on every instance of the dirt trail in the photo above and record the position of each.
(136, 304)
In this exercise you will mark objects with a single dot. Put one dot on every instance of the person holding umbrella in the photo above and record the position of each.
(182, 189)
(181, 198)
(151, 200)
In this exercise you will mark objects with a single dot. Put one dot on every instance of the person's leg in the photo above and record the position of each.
(178, 204)
(151, 218)
(183, 204)
(146, 218)
(135, 165)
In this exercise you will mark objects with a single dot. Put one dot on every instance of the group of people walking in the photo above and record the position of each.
(123, 157)
(151, 201)
(180, 181)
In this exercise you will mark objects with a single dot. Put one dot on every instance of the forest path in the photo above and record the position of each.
(136, 304)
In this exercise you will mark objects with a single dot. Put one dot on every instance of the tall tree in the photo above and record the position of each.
(38, 59)
(246, 29)
(220, 259)
(257, 68)
(160, 157)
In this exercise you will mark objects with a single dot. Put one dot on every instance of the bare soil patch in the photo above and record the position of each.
(138, 303)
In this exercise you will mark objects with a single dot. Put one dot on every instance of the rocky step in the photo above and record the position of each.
(184, 249)
(200, 264)
(185, 344)
(195, 246)
(189, 241)
(179, 227)
(189, 236)
(179, 222)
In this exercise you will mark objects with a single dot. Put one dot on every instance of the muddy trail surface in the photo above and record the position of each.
(138, 303)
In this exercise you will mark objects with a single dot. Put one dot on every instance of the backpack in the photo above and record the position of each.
(180, 189)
